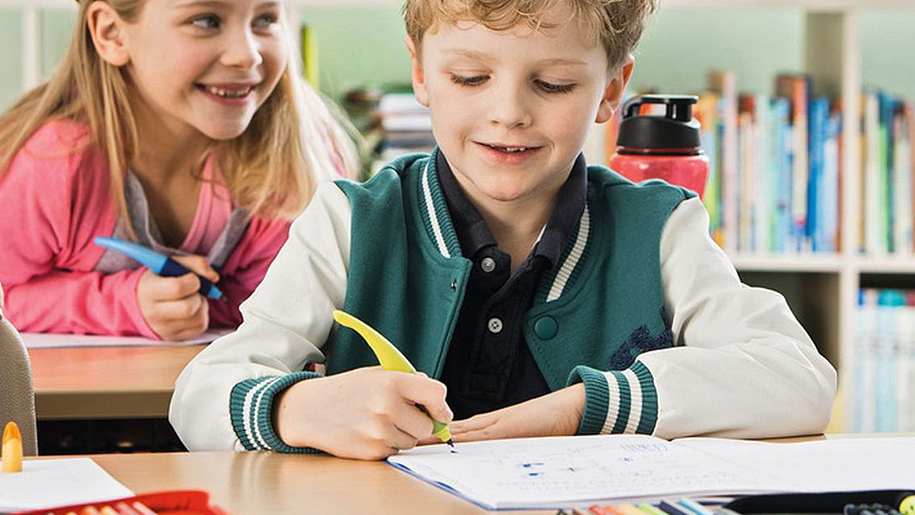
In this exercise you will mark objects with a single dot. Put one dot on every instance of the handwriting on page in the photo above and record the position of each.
(584, 467)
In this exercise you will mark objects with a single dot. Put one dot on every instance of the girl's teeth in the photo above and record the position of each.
(226, 93)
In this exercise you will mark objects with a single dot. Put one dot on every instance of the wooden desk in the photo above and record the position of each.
(107, 382)
(263, 483)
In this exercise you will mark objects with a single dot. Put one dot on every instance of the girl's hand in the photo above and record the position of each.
(555, 414)
(366, 413)
(171, 305)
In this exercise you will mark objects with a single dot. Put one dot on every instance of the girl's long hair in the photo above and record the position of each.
(293, 141)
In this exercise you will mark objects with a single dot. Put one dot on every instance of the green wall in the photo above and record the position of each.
(10, 59)
(365, 46)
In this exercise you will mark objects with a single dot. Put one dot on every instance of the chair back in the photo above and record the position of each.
(17, 398)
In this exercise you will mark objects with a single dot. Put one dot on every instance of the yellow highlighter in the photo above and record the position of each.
(12, 448)
(390, 359)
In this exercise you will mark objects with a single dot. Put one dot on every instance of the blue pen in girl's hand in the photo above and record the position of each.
(158, 263)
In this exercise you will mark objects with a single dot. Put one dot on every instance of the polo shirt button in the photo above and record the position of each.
(494, 325)
(488, 264)
(546, 328)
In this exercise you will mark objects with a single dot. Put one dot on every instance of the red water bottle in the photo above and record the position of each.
(668, 147)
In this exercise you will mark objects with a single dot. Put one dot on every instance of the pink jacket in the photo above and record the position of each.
(54, 199)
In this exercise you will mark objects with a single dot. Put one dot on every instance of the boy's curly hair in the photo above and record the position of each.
(616, 24)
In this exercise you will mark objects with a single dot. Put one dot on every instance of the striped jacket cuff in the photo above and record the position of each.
(623, 401)
(251, 409)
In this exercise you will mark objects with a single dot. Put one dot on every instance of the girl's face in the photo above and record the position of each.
(204, 65)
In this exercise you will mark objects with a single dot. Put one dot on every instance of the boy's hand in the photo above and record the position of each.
(555, 414)
(171, 305)
(366, 413)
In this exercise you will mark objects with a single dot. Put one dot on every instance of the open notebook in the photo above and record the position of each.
(583, 470)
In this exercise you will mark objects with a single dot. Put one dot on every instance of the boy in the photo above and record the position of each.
(544, 297)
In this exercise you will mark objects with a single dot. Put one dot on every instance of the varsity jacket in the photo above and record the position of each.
(643, 308)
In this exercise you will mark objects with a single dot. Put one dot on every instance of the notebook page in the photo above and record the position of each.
(555, 472)
(834, 464)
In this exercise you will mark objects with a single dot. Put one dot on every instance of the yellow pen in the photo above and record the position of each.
(12, 448)
(390, 359)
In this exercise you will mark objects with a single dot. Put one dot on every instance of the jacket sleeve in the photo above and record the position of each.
(246, 268)
(52, 202)
(742, 365)
(224, 398)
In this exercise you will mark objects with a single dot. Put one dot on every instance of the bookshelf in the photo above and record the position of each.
(822, 289)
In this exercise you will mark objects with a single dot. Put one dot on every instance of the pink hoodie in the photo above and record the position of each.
(54, 199)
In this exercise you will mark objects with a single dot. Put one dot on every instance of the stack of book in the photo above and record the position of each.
(886, 175)
(884, 371)
(392, 121)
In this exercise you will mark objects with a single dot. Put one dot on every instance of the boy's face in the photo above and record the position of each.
(511, 109)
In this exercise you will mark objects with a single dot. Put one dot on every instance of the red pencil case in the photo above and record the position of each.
(173, 502)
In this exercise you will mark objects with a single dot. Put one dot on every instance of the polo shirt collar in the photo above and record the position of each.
(473, 233)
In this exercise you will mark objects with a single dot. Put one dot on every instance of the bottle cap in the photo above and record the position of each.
(676, 130)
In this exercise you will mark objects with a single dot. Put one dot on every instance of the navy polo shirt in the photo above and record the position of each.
(489, 365)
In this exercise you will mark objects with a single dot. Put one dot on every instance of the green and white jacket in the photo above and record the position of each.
(644, 309)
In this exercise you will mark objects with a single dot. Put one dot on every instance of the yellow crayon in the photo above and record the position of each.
(12, 448)
(390, 359)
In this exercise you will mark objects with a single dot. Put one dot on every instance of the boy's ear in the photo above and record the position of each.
(614, 92)
(419, 77)
(108, 33)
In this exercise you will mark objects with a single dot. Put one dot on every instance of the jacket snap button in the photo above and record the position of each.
(546, 328)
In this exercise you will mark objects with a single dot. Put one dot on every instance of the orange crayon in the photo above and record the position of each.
(89, 510)
(108, 510)
(142, 508)
(125, 509)
(12, 448)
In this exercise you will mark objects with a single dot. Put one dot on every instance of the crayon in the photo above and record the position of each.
(12, 448)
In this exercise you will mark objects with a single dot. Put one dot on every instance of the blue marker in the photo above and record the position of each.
(158, 263)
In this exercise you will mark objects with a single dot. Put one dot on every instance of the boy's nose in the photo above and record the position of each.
(509, 108)
(242, 51)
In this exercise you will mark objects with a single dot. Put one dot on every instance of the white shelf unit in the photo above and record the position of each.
(822, 289)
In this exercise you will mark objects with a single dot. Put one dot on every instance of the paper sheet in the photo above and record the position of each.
(49, 341)
(561, 472)
(826, 465)
(57, 482)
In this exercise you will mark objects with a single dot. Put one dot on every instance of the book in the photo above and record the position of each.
(549, 473)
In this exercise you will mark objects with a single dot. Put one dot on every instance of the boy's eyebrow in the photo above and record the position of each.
(473, 54)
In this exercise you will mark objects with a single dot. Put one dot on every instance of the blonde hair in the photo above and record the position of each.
(616, 24)
(272, 169)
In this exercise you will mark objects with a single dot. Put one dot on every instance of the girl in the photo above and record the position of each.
(180, 124)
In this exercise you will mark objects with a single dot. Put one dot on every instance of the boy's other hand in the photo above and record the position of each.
(555, 414)
(366, 413)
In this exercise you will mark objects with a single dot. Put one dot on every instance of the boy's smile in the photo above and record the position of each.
(511, 109)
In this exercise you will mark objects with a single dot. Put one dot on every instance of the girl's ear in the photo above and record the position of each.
(419, 77)
(614, 92)
(108, 33)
